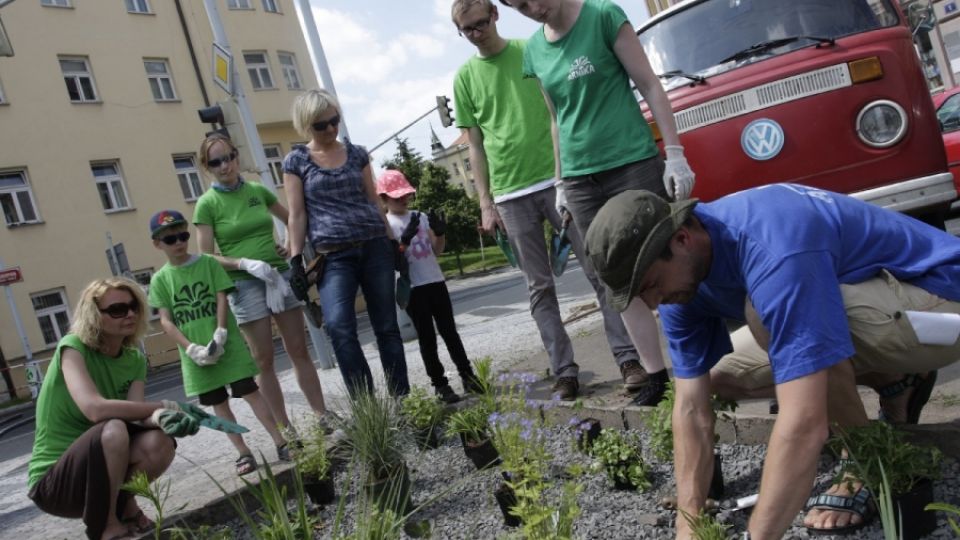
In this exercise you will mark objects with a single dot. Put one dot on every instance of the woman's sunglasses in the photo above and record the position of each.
(323, 124)
(121, 309)
(216, 162)
(172, 239)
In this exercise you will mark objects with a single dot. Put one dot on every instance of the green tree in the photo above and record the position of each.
(406, 160)
(462, 212)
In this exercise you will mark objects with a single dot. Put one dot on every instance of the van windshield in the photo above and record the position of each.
(718, 35)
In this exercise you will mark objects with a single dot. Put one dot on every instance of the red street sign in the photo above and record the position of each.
(11, 275)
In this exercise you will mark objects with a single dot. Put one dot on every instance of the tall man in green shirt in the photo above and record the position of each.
(508, 125)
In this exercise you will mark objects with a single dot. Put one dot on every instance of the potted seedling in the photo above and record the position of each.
(423, 412)
(880, 457)
(705, 526)
(314, 465)
(470, 425)
(586, 432)
(618, 455)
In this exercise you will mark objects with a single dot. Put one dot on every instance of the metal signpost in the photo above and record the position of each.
(9, 276)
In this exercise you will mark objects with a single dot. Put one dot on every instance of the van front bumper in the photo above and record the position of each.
(912, 195)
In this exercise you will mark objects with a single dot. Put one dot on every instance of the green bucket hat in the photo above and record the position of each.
(626, 237)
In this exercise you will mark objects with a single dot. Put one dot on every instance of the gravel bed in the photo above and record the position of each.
(458, 500)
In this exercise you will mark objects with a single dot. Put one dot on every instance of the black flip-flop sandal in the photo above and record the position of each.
(134, 522)
(923, 387)
(246, 464)
(860, 503)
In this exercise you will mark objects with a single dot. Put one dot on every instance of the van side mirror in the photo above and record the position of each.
(921, 17)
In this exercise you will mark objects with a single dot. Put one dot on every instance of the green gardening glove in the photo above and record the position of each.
(175, 423)
(196, 412)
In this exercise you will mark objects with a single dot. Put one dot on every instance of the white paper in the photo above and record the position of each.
(935, 328)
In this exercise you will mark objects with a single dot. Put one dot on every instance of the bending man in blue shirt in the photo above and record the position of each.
(824, 283)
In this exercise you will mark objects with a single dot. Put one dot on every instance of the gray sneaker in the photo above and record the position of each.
(566, 388)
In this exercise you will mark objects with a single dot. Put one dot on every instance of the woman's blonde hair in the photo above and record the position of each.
(211, 140)
(308, 106)
(87, 319)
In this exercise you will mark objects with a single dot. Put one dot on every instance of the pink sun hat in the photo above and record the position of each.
(394, 184)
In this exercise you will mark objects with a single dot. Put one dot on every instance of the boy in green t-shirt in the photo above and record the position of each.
(190, 291)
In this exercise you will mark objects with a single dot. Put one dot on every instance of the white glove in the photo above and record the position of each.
(677, 176)
(215, 348)
(277, 292)
(561, 199)
(258, 269)
(220, 336)
(198, 353)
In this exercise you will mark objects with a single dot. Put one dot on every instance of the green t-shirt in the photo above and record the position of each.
(189, 292)
(600, 122)
(490, 93)
(242, 224)
(59, 421)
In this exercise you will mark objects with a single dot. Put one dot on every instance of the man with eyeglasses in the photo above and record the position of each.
(508, 126)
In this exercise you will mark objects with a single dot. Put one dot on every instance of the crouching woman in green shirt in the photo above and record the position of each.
(94, 430)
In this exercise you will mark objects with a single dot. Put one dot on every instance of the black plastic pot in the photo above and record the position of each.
(427, 438)
(588, 432)
(917, 522)
(320, 490)
(483, 454)
(392, 491)
(716, 483)
(507, 499)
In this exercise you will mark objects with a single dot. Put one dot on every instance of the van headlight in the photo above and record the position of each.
(882, 123)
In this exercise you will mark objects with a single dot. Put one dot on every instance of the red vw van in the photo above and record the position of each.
(827, 93)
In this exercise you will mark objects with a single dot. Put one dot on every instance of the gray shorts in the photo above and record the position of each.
(249, 301)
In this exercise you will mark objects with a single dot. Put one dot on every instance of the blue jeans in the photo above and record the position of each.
(371, 268)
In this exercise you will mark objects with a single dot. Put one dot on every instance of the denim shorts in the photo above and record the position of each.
(249, 301)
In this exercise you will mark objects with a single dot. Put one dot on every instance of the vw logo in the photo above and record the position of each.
(762, 139)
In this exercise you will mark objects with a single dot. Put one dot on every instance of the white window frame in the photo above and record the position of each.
(188, 177)
(161, 84)
(258, 71)
(3, 97)
(274, 163)
(111, 188)
(239, 4)
(271, 6)
(56, 3)
(77, 77)
(19, 196)
(142, 277)
(466, 166)
(138, 6)
(291, 71)
(51, 312)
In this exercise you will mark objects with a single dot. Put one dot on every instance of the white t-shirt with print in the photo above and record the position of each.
(424, 267)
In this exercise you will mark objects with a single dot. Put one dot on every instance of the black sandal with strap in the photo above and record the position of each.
(860, 503)
(922, 388)
(246, 464)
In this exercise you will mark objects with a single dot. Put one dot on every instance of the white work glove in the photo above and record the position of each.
(678, 179)
(277, 291)
(215, 348)
(561, 202)
(198, 353)
(258, 269)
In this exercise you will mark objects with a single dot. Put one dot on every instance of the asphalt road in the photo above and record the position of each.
(468, 294)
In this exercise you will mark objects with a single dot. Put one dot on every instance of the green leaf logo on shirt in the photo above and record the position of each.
(254, 201)
(193, 303)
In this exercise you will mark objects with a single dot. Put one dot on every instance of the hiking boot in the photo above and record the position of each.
(471, 384)
(566, 388)
(447, 395)
(652, 393)
(634, 376)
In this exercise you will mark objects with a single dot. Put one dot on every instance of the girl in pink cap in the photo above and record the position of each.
(421, 240)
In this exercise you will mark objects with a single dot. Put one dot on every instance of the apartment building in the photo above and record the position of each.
(99, 130)
(456, 160)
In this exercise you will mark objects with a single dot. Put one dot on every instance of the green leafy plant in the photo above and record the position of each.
(313, 460)
(470, 422)
(661, 422)
(888, 520)
(421, 409)
(619, 456)
(704, 526)
(879, 447)
(949, 509)
(374, 432)
(156, 492)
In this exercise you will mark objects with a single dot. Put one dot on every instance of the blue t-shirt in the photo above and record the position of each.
(790, 247)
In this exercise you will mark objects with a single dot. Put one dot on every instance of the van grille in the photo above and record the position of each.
(764, 96)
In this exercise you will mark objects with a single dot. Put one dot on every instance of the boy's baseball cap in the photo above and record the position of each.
(165, 219)
(394, 184)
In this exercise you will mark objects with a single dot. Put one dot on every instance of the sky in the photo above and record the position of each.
(389, 59)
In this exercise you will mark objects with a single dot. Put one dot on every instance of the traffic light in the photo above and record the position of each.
(227, 114)
(446, 115)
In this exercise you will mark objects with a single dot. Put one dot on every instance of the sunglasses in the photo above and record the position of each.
(323, 124)
(121, 309)
(480, 26)
(172, 239)
(216, 162)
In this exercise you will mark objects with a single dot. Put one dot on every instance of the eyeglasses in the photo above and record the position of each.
(479, 26)
(323, 124)
(216, 162)
(172, 239)
(121, 309)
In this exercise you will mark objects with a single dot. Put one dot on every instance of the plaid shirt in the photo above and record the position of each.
(338, 209)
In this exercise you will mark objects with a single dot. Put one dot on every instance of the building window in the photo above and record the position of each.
(138, 6)
(55, 3)
(17, 198)
(158, 74)
(52, 314)
(456, 170)
(259, 70)
(76, 74)
(466, 165)
(3, 98)
(288, 63)
(238, 4)
(270, 6)
(142, 277)
(113, 194)
(274, 163)
(189, 177)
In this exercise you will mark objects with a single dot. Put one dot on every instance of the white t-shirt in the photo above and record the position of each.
(424, 267)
